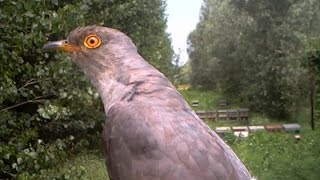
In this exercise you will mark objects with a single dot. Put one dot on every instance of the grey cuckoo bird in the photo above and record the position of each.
(150, 131)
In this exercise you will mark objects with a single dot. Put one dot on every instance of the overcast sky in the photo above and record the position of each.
(183, 16)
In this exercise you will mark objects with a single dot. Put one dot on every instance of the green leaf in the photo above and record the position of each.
(33, 155)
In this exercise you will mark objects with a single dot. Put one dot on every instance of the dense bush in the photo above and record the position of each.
(47, 107)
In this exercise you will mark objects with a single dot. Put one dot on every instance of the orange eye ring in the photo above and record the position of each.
(92, 41)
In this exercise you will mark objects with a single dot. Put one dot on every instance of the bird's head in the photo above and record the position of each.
(94, 45)
(108, 58)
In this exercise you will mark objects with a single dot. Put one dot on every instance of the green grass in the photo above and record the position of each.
(92, 164)
(303, 118)
(208, 99)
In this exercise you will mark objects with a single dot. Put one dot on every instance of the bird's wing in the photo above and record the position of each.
(150, 142)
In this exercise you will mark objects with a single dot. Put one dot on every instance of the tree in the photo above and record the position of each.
(257, 50)
(313, 66)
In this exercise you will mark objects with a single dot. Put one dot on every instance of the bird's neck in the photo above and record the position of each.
(110, 91)
(127, 77)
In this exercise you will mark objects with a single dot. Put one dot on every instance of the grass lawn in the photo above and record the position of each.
(92, 164)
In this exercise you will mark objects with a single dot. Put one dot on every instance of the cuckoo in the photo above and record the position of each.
(150, 131)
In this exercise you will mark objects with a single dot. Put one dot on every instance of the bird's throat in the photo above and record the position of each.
(109, 89)
(121, 79)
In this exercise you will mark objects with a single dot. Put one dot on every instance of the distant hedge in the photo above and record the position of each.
(47, 107)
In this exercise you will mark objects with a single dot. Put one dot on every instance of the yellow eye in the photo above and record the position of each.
(92, 41)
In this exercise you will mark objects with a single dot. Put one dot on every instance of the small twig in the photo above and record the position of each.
(37, 99)
(51, 123)
(12, 175)
(32, 81)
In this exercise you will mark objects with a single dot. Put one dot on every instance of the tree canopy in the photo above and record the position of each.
(255, 50)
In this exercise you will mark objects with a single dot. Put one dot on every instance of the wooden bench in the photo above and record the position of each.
(243, 114)
(292, 128)
(232, 114)
(201, 114)
(212, 115)
(223, 130)
(240, 131)
(222, 114)
(274, 128)
(256, 128)
(195, 103)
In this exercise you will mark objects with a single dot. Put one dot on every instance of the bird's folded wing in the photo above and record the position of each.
(141, 144)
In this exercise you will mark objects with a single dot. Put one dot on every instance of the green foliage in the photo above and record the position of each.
(254, 50)
(47, 107)
(182, 74)
(57, 173)
(279, 156)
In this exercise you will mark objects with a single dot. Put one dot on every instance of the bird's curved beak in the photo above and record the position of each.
(62, 45)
